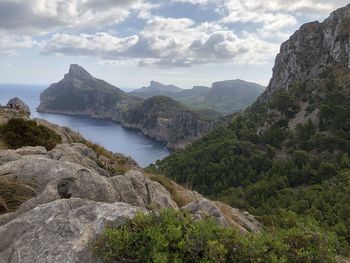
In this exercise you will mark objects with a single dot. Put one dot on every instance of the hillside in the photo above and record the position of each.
(224, 97)
(68, 193)
(164, 120)
(286, 158)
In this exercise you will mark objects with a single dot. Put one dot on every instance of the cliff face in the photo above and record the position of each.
(79, 93)
(310, 50)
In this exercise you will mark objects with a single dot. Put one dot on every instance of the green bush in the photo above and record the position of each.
(173, 236)
(19, 132)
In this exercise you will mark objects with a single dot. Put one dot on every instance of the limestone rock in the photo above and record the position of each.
(308, 52)
(60, 231)
(54, 179)
(17, 104)
(6, 114)
(77, 153)
(204, 207)
(134, 188)
(66, 133)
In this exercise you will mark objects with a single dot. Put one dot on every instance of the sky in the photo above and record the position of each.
(131, 42)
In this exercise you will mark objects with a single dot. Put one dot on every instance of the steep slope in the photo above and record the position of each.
(79, 93)
(286, 158)
(165, 119)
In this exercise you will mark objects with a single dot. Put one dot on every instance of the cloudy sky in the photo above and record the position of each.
(130, 42)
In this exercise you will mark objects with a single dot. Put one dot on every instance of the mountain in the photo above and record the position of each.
(232, 95)
(225, 97)
(156, 89)
(79, 93)
(165, 119)
(162, 119)
(286, 158)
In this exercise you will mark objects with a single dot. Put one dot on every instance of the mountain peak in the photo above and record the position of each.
(77, 71)
(310, 50)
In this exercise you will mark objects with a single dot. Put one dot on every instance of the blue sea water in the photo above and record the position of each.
(106, 133)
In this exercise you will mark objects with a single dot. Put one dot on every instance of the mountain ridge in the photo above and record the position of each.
(224, 97)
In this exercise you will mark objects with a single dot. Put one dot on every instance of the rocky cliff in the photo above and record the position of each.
(79, 93)
(310, 50)
(53, 204)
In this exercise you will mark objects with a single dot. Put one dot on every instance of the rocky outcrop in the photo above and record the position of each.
(80, 154)
(136, 189)
(19, 105)
(306, 55)
(60, 231)
(7, 113)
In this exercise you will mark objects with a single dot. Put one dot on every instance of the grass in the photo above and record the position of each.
(119, 164)
(180, 195)
(13, 194)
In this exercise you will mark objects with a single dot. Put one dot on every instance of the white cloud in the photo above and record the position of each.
(167, 42)
(11, 44)
(38, 16)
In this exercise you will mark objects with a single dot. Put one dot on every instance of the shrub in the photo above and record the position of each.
(173, 236)
(19, 132)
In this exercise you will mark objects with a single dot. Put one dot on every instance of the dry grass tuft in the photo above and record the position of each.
(13, 194)
(179, 194)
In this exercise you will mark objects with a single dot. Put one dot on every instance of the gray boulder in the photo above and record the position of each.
(60, 231)
(202, 208)
(77, 153)
(17, 104)
(53, 179)
(136, 189)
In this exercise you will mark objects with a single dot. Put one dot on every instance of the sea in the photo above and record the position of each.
(107, 133)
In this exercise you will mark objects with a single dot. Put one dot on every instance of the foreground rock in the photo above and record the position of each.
(60, 231)
(136, 189)
(73, 192)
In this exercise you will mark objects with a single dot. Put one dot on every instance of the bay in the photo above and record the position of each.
(109, 134)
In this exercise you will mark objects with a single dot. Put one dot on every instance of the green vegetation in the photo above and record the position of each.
(173, 236)
(19, 132)
(305, 170)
